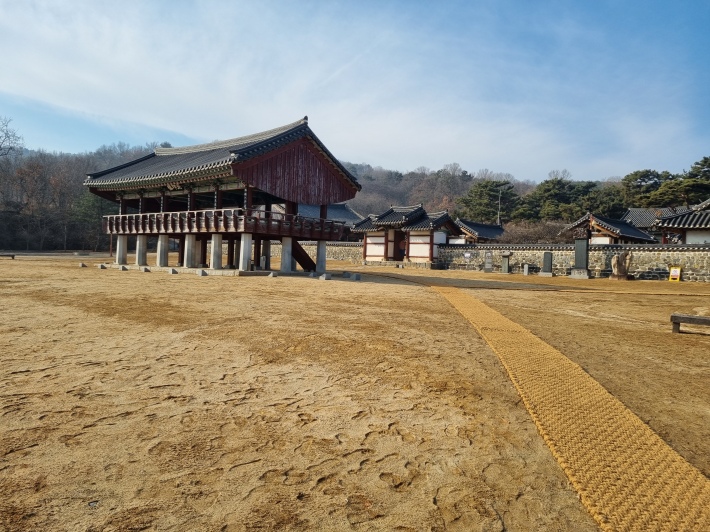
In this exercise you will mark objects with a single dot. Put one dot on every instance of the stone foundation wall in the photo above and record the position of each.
(648, 263)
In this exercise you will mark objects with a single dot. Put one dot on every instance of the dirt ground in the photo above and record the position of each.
(147, 401)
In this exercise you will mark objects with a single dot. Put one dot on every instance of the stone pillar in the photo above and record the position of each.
(142, 250)
(161, 258)
(320, 257)
(190, 248)
(546, 264)
(237, 250)
(581, 259)
(216, 255)
(244, 253)
(286, 254)
(505, 265)
(122, 249)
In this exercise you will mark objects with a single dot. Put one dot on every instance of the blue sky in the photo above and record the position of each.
(600, 88)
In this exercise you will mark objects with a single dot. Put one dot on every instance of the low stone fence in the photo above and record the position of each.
(649, 262)
(347, 251)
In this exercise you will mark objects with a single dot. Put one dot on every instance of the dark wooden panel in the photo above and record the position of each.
(298, 172)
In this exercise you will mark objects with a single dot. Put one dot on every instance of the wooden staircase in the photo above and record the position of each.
(302, 258)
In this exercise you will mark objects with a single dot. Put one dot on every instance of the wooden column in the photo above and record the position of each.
(217, 197)
(121, 205)
(431, 246)
(140, 203)
(163, 201)
(248, 198)
(181, 250)
(190, 199)
(257, 252)
(364, 246)
(324, 211)
(230, 252)
(266, 253)
(203, 251)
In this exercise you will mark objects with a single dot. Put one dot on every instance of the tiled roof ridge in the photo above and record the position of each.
(405, 208)
(221, 144)
(466, 221)
(702, 206)
(91, 175)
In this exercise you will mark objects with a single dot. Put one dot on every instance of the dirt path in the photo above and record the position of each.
(620, 333)
(135, 401)
(627, 476)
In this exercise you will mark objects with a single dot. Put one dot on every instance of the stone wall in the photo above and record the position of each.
(651, 262)
(347, 251)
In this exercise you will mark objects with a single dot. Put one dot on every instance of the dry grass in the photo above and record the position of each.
(143, 401)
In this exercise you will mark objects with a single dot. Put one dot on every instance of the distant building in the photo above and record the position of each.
(692, 226)
(475, 232)
(405, 233)
(645, 218)
(603, 230)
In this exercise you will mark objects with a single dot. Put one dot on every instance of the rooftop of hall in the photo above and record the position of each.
(405, 218)
(480, 230)
(696, 218)
(620, 228)
(165, 165)
(645, 217)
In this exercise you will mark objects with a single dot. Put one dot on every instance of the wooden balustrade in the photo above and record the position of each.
(224, 221)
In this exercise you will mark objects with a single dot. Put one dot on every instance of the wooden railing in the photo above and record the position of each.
(224, 221)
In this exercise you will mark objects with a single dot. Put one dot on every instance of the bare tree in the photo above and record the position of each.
(9, 139)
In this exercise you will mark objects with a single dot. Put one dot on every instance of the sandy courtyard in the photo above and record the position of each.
(147, 401)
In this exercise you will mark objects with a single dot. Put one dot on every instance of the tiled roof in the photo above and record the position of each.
(434, 220)
(399, 216)
(413, 218)
(479, 230)
(166, 165)
(698, 218)
(617, 227)
(645, 218)
(337, 211)
(366, 225)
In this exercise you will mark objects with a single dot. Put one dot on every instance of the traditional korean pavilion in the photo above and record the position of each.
(244, 190)
(476, 232)
(693, 226)
(603, 230)
(405, 233)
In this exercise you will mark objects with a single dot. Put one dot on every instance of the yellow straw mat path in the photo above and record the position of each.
(626, 476)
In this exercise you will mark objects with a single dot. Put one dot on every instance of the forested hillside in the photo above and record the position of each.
(44, 205)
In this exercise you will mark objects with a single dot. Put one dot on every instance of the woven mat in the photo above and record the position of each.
(626, 476)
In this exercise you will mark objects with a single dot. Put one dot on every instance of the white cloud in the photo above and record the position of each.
(390, 86)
